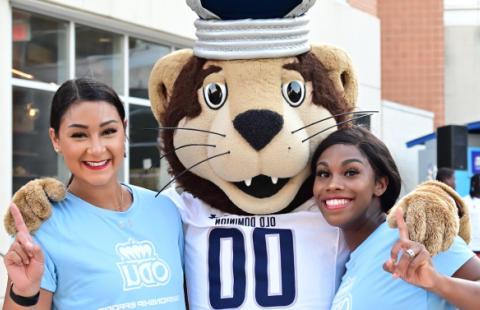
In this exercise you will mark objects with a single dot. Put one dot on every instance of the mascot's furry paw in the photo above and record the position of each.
(33, 200)
(434, 214)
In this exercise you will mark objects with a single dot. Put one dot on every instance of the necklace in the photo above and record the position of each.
(121, 199)
(118, 208)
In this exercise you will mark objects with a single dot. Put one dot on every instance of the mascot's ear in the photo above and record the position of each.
(340, 70)
(162, 78)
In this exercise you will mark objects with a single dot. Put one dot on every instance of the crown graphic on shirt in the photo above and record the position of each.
(135, 250)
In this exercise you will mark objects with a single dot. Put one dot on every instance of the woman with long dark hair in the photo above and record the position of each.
(356, 183)
(107, 245)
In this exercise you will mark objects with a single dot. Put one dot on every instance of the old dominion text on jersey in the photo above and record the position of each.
(251, 221)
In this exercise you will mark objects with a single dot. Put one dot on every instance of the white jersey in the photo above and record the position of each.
(285, 261)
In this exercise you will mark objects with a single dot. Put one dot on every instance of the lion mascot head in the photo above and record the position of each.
(243, 111)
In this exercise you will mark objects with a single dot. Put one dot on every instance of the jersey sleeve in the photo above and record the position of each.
(177, 200)
(173, 199)
(181, 242)
(447, 263)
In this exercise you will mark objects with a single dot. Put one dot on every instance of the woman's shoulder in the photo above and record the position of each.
(450, 261)
(145, 193)
(139, 190)
(459, 246)
(63, 208)
(147, 197)
(63, 218)
(382, 238)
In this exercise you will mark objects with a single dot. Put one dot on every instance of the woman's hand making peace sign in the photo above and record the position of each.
(415, 263)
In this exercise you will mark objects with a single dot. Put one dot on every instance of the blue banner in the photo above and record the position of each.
(475, 160)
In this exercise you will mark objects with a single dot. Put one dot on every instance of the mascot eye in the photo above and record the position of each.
(215, 95)
(294, 93)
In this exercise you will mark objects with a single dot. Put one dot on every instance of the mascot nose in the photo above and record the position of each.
(258, 127)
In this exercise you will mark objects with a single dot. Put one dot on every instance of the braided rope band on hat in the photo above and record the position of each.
(250, 39)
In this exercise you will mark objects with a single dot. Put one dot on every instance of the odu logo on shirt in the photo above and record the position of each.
(140, 266)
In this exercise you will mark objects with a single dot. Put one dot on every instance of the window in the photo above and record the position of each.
(33, 155)
(146, 170)
(144, 148)
(99, 56)
(48, 51)
(363, 120)
(39, 58)
(39, 48)
(142, 57)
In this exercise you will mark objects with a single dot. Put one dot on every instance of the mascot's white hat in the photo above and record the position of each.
(249, 29)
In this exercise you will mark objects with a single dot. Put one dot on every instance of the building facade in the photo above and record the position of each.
(462, 62)
(413, 54)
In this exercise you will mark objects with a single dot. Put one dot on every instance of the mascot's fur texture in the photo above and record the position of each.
(432, 214)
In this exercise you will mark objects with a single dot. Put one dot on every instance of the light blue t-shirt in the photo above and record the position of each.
(365, 285)
(102, 259)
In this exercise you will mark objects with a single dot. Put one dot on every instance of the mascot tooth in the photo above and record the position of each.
(251, 102)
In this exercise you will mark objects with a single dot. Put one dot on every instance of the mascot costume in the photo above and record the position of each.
(241, 115)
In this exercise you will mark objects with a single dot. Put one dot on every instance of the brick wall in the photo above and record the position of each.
(369, 6)
(412, 40)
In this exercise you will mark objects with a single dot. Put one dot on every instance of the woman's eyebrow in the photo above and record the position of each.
(78, 126)
(345, 162)
(86, 127)
(352, 160)
(322, 163)
(108, 122)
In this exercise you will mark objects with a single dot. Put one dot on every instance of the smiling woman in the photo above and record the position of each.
(92, 141)
(136, 239)
(87, 121)
(356, 184)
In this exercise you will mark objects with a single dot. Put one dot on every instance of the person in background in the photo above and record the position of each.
(447, 176)
(473, 202)
(356, 183)
(107, 245)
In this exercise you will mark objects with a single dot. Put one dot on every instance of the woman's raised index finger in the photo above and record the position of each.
(18, 218)
(402, 226)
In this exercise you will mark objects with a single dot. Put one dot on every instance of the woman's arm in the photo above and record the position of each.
(44, 301)
(463, 289)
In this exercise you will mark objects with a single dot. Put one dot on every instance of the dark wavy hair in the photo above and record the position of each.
(377, 154)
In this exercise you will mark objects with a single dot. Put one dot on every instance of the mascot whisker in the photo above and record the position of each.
(334, 116)
(190, 168)
(186, 145)
(184, 128)
(338, 124)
